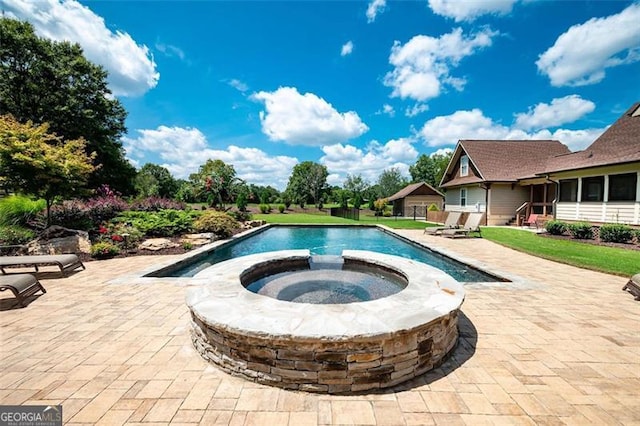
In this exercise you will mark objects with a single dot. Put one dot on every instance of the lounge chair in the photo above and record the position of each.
(472, 224)
(449, 223)
(66, 262)
(21, 285)
(633, 286)
(531, 220)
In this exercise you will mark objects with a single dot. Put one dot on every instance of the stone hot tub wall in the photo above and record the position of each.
(359, 364)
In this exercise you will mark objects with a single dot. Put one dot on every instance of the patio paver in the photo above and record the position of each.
(560, 346)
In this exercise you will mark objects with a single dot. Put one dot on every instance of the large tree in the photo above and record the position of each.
(217, 181)
(45, 81)
(308, 181)
(357, 186)
(36, 162)
(155, 180)
(430, 168)
(390, 181)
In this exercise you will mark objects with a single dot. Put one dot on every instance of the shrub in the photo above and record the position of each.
(387, 213)
(125, 236)
(555, 227)
(264, 208)
(103, 208)
(581, 230)
(164, 223)
(286, 200)
(281, 208)
(433, 208)
(19, 210)
(636, 233)
(104, 249)
(71, 214)
(615, 233)
(240, 216)
(13, 235)
(241, 201)
(155, 204)
(380, 205)
(219, 223)
(187, 245)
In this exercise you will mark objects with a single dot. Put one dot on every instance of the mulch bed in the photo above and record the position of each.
(625, 246)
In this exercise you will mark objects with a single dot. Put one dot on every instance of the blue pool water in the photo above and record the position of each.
(331, 240)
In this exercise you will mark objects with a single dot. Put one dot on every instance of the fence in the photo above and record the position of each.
(349, 213)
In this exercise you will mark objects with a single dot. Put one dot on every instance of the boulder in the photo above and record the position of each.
(155, 244)
(253, 223)
(58, 240)
(198, 239)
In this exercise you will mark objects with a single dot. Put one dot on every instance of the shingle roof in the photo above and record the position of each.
(407, 190)
(620, 143)
(507, 160)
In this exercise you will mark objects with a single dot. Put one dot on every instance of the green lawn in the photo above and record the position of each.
(606, 259)
(316, 217)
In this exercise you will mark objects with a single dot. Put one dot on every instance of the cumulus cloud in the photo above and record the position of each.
(423, 65)
(470, 10)
(387, 110)
(558, 112)
(347, 48)
(132, 70)
(347, 159)
(416, 109)
(473, 124)
(183, 150)
(375, 7)
(306, 119)
(238, 85)
(581, 55)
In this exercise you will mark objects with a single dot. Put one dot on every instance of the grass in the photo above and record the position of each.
(316, 217)
(611, 260)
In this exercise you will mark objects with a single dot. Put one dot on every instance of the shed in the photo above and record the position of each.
(415, 199)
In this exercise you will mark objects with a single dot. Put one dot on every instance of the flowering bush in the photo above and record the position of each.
(104, 249)
(154, 204)
(71, 214)
(104, 208)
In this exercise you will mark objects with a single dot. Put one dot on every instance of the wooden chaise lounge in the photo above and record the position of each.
(66, 262)
(633, 286)
(21, 285)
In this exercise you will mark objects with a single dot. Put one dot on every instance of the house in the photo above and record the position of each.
(498, 177)
(415, 199)
(511, 179)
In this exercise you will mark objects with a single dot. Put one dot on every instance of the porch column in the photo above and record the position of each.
(544, 200)
(605, 198)
(637, 212)
(578, 198)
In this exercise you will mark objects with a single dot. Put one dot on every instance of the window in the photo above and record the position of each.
(464, 165)
(569, 190)
(592, 188)
(463, 197)
(623, 187)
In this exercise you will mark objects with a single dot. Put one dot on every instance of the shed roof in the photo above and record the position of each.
(422, 188)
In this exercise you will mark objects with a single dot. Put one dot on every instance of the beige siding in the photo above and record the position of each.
(504, 200)
(422, 200)
(475, 199)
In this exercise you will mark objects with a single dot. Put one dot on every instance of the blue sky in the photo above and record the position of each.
(357, 86)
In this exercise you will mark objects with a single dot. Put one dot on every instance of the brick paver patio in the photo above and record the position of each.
(561, 346)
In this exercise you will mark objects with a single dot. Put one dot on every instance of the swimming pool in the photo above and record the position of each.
(329, 240)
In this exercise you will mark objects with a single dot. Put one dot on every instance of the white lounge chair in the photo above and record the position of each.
(472, 224)
(451, 222)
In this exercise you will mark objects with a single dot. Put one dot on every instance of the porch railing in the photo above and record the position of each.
(522, 212)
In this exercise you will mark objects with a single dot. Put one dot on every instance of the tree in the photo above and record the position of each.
(155, 180)
(390, 182)
(308, 181)
(217, 181)
(45, 81)
(356, 186)
(37, 162)
(430, 168)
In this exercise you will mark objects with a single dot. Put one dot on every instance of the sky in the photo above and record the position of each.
(358, 86)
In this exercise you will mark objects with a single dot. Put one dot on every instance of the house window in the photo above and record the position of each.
(463, 197)
(464, 165)
(569, 190)
(592, 188)
(623, 187)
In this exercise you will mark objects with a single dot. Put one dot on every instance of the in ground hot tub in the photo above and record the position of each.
(354, 339)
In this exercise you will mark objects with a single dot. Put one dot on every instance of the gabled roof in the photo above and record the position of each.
(619, 144)
(503, 160)
(414, 187)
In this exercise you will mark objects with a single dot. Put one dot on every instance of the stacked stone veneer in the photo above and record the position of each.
(329, 365)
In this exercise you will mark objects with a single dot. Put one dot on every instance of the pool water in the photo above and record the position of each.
(327, 240)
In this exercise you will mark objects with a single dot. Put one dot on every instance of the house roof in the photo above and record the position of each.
(414, 187)
(504, 160)
(620, 143)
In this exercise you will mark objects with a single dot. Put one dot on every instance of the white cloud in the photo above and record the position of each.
(306, 119)
(581, 55)
(375, 7)
(386, 109)
(238, 85)
(416, 109)
(132, 70)
(441, 151)
(473, 124)
(347, 159)
(183, 150)
(422, 66)
(560, 111)
(347, 48)
(170, 50)
(461, 10)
